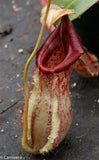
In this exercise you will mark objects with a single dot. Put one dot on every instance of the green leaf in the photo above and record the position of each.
(80, 6)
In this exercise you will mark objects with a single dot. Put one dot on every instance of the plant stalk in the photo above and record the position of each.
(25, 144)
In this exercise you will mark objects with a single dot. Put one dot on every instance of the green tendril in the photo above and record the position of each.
(25, 144)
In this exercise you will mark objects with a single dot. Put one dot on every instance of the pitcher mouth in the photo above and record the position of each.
(63, 39)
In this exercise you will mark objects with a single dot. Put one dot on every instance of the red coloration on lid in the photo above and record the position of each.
(63, 39)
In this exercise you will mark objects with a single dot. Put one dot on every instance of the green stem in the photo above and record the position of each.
(25, 144)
